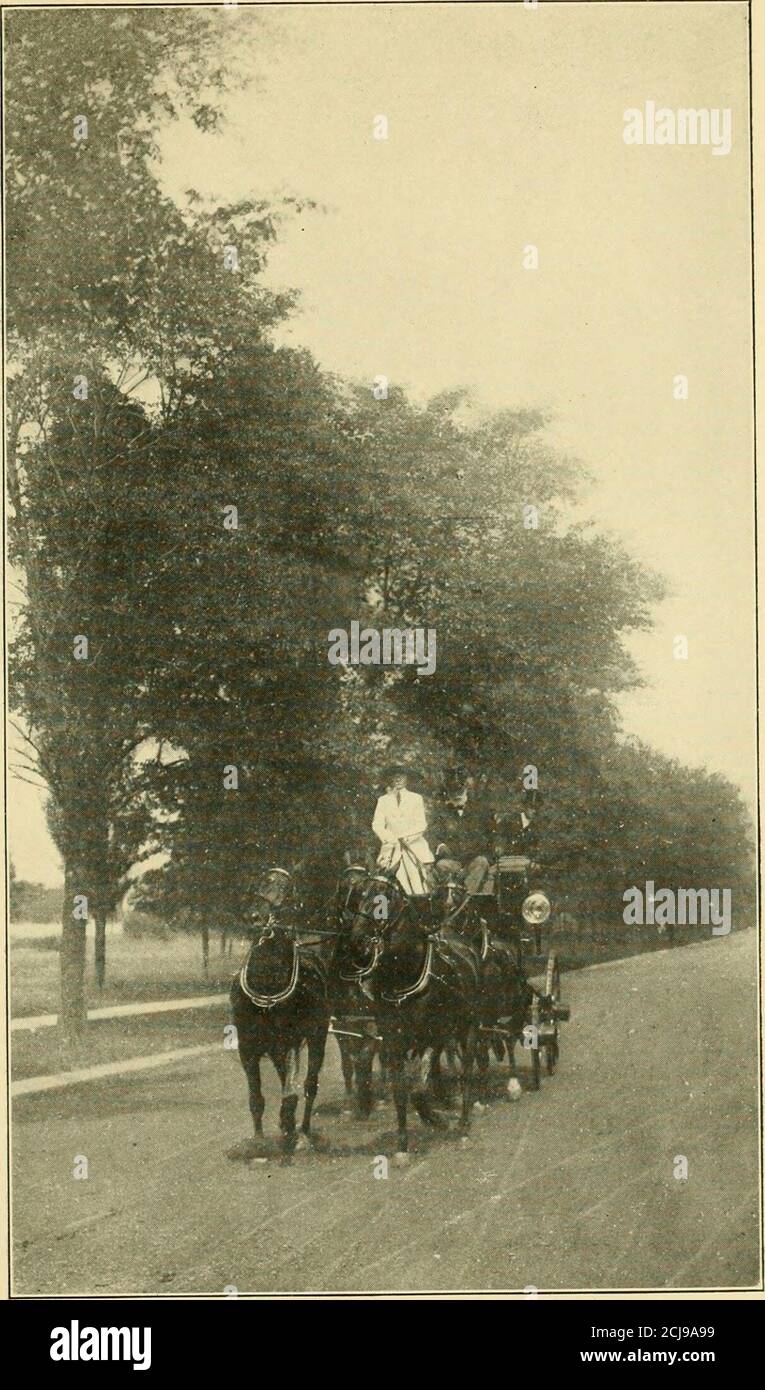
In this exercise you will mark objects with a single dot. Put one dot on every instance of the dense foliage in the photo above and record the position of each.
(207, 642)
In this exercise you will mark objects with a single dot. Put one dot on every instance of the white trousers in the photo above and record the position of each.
(412, 872)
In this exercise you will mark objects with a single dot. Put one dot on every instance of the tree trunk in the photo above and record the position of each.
(205, 947)
(73, 933)
(100, 920)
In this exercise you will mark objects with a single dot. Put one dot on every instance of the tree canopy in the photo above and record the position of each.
(203, 507)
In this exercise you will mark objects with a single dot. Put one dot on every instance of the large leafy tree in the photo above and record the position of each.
(146, 400)
(122, 306)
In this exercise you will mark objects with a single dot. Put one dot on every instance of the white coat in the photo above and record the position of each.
(400, 824)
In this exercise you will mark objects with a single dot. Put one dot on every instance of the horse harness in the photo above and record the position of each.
(268, 1001)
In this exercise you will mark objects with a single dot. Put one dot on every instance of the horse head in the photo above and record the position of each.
(350, 886)
(274, 889)
(385, 918)
(450, 894)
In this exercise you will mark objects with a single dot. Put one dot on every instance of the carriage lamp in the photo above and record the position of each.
(536, 909)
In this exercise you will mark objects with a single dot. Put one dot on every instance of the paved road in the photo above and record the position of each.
(571, 1188)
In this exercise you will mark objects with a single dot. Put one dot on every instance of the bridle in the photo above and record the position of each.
(379, 932)
(352, 886)
(379, 927)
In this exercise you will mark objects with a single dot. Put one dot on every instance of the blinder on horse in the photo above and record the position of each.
(383, 891)
(352, 880)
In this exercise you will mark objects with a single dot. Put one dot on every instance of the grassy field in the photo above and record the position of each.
(46, 1051)
(148, 969)
(136, 968)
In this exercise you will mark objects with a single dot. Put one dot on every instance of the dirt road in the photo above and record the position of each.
(573, 1187)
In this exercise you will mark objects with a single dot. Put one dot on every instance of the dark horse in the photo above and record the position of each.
(280, 1000)
(506, 997)
(425, 989)
(352, 1005)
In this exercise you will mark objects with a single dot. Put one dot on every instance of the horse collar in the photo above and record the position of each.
(365, 971)
(267, 1001)
(400, 995)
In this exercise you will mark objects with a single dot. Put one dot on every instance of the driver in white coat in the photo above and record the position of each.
(400, 824)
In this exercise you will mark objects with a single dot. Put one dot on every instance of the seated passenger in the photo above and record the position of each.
(400, 824)
(465, 829)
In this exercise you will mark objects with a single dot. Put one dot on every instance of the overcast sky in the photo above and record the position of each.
(505, 129)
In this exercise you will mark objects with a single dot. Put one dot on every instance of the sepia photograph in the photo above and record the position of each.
(381, 651)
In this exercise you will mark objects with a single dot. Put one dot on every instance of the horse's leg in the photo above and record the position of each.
(514, 1088)
(257, 1099)
(287, 1067)
(437, 1086)
(364, 1059)
(445, 1073)
(347, 1049)
(454, 1066)
(421, 1094)
(397, 1062)
(468, 1062)
(251, 1066)
(317, 1043)
(386, 1073)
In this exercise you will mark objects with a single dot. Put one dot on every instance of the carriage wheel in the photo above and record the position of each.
(552, 991)
(536, 1068)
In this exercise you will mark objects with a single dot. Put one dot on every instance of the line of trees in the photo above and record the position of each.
(31, 902)
(193, 509)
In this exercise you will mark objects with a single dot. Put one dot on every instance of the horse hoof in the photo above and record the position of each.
(480, 1108)
(302, 1143)
(464, 1141)
(244, 1152)
(514, 1089)
(401, 1159)
(347, 1110)
(380, 1104)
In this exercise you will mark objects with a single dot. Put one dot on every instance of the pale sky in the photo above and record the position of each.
(505, 128)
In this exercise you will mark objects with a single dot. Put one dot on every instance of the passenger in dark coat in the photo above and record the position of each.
(517, 831)
(464, 829)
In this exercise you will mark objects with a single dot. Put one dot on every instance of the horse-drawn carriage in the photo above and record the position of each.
(523, 914)
(421, 977)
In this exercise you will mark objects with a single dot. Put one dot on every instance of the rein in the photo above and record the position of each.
(455, 912)
(364, 971)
